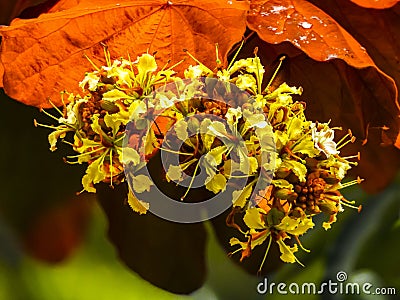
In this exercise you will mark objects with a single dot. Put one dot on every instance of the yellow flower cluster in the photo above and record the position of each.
(264, 132)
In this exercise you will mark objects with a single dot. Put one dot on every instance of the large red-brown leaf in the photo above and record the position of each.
(377, 4)
(45, 55)
(323, 39)
(377, 30)
(1, 74)
(12, 8)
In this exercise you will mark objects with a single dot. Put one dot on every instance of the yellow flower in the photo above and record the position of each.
(146, 63)
(323, 139)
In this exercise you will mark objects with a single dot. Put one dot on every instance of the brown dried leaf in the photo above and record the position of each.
(44, 56)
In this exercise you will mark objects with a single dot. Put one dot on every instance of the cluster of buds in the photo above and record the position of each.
(292, 167)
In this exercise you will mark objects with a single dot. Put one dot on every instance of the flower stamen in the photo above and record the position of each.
(275, 73)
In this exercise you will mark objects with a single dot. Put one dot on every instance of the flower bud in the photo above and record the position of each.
(282, 172)
(286, 194)
(109, 106)
(328, 207)
(274, 217)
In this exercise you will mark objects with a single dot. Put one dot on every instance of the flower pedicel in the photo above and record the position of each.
(304, 162)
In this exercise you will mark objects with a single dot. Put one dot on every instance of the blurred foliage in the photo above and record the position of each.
(92, 273)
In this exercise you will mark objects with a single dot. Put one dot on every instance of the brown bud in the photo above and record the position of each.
(109, 106)
(302, 199)
(286, 194)
(297, 188)
(328, 207)
(282, 172)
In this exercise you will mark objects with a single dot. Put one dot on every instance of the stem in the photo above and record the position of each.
(36, 124)
(276, 72)
(48, 114)
(236, 54)
(175, 152)
(85, 153)
(91, 62)
(55, 107)
(266, 253)
(111, 167)
(191, 181)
